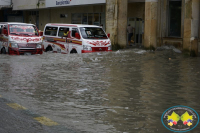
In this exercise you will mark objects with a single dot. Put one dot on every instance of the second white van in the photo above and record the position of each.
(74, 38)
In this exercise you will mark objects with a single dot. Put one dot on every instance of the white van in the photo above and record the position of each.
(19, 38)
(80, 38)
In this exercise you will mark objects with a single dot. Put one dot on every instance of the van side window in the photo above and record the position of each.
(74, 30)
(51, 31)
(62, 30)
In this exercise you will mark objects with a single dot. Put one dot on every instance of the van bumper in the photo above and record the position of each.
(17, 51)
(86, 51)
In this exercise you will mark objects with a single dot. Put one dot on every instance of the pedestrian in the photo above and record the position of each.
(130, 33)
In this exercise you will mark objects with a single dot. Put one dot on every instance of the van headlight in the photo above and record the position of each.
(13, 45)
(39, 45)
(86, 47)
(110, 47)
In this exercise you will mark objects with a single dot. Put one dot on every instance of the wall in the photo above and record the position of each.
(28, 4)
(151, 23)
(136, 9)
(52, 15)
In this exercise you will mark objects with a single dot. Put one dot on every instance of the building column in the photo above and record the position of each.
(150, 28)
(191, 27)
(116, 21)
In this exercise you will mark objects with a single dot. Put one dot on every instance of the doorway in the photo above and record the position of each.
(138, 25)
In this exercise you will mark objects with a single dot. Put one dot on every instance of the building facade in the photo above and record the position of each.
(155, 22)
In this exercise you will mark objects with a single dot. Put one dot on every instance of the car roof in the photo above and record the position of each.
(71, 25)
(15, 23)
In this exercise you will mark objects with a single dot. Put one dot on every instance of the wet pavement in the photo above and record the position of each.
(124, 91)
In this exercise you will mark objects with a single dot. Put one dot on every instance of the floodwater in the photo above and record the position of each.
(123, 91)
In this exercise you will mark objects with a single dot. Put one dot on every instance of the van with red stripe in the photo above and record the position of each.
(79, 39)
(19, 39)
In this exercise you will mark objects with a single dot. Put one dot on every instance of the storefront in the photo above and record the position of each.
(90, 12)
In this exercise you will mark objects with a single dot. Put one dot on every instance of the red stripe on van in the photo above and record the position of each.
(60, 45)
(75, 42)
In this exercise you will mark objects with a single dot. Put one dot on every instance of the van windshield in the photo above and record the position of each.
(21, 29)
(93, 33)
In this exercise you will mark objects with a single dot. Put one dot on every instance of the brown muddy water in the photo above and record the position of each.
(123, 91)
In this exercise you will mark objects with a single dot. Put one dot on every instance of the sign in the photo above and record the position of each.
(5, 3)
(57, 3)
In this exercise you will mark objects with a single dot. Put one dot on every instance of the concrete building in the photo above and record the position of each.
(156, 22)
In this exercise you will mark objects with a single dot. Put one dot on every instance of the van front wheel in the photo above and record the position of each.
(49, 48)
(3, 51)
(73, 51)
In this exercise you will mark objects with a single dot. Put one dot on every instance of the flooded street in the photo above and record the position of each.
(123, 91)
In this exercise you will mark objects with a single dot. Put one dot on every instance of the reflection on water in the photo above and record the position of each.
(123, 91)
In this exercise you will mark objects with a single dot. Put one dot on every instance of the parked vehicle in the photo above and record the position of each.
(19, 39)
(74, 38)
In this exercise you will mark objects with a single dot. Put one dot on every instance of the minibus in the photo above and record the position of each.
(19, 39)
(75, 38)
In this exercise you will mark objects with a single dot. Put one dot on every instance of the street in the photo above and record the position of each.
(124, 91)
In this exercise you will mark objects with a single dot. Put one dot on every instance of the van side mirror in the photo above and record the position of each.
(5, 32)
(108, 35)
(41, 33)
(77, 35)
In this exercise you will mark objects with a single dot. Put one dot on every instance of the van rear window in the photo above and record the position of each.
(51, 31)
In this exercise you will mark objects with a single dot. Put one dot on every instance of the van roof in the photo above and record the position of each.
(15, 23)
(72, 25)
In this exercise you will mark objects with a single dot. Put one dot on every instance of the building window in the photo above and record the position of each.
(76, 18)
(175, 18)
(88, 18)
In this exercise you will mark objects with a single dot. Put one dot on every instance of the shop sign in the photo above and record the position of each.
(5, 2)
(56, 3)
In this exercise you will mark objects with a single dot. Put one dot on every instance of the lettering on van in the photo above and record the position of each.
(63, 2)
(99, 43)
(26, 39)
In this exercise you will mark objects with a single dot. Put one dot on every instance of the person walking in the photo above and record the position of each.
(130, 33)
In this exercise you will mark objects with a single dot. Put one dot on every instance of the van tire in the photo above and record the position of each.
(73, 51)
(49, 48)
(3, 51)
